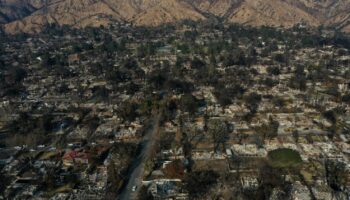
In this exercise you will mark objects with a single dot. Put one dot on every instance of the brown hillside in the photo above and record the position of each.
(31, 15)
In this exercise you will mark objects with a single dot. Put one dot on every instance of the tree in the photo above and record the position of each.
(15, 75)
(296, 135)
(128, 111)
(346, 98)
(190, 35)
(130, 88)
(280, 58)
(332, 117)
(2, 31)
(144, 194)
(5, 181)
(116, 75)
(273, 70)
(184, 48)
(197, 63)
(298, 81)
(199, 183)
(251, 56)
(269, 130)
(130, 64)
(112, 180)
(237, 57)
(224, 96)
(269, 82)
(219, 131)
(2, 63)
(279, 102)
(252, 102)
(336, 174)
(100, 93)
(179, 86)
(270, 178)
(189, 103)
(157, 80)
(274, 125)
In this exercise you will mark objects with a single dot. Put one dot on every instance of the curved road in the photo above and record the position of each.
(138, 166)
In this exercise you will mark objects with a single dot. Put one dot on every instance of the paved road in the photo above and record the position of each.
(138, 165)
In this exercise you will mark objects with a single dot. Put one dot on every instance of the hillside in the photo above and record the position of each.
(31, 15)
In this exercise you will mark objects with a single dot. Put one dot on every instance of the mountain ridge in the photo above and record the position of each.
(31, 15)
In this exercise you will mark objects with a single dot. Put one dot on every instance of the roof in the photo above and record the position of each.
(71, 155)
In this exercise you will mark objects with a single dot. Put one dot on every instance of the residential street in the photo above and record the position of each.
(138, 167)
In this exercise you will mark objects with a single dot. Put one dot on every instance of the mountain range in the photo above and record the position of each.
(32, 15)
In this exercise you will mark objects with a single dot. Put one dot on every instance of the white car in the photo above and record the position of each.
(17, 148)
(134, 188)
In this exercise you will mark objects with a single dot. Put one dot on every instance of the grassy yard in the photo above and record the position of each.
(283, 157)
